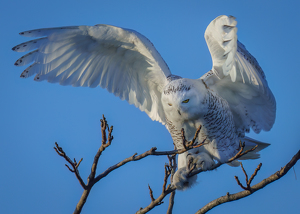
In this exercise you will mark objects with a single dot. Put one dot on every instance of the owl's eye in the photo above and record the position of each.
(186, 101)
(169, 104)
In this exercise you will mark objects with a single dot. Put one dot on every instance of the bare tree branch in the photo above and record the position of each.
(106, 141)
(232, 197)
(169, 171)
(151, 193)
(93, 179)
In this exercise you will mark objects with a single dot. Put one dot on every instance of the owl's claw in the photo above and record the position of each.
(202, 160)
(181, 179)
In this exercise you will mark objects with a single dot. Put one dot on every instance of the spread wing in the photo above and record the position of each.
(120, 60)
(237, 77)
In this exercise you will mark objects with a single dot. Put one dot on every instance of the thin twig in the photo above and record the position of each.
(255, 173)
(184, 141)
(187, 144)
(151, 193)
(192, 142)
(239, 183)
(167, 174)
(241, 153)
(105, 143)
(74, 164)
(246, 175)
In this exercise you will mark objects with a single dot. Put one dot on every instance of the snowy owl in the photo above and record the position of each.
(226, 101)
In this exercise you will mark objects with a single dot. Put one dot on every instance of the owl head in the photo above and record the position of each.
(184, 99)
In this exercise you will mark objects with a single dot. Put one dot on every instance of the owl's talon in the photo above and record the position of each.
(181, 180)
(202, 160)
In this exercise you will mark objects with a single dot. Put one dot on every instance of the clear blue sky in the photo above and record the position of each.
(35, 115)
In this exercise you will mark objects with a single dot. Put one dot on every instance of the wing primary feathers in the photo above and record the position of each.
(26, 59)
(114, 58)
(30, 45)
(45, 31)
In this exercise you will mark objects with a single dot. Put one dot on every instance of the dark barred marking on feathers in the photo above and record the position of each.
(219, 121)
(173, 89)
(175, 134)
(172, 77)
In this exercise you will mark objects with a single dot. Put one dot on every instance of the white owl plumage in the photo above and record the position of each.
(227, 101)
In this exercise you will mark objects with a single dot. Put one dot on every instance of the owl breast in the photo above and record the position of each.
(217, 128)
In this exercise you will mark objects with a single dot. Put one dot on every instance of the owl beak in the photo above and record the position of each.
(178, 112)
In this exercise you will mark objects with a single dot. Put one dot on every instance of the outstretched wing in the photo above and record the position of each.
(238, 78)
(120, 60)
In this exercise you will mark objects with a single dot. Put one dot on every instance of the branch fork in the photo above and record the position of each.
(73, 164)
(248, 182)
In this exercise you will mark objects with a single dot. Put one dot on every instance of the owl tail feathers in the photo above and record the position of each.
(250, 143)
